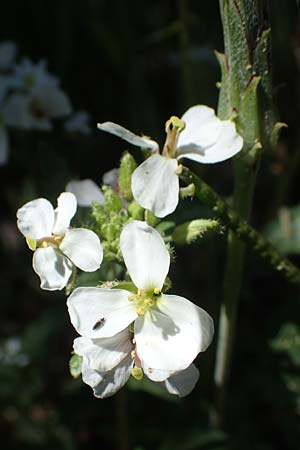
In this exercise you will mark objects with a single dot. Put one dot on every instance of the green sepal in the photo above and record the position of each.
(187, 191)
(136, 211)
(127, 167)
(75, 364)
(116, 284)
(32, 244)
(151, 219)
(188, 232)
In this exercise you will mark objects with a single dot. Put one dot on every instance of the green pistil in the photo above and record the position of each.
(144, 300)
(174, 126)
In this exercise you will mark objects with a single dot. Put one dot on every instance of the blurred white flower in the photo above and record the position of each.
(57, 246)
(199, 135)
(86, 192)
(34, 110)
(8, 52)
(28, 75)
(78, 123)
(169, 330)
(11, 352)
(108, 362)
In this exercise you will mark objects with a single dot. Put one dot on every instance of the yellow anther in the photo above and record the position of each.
(131, 298)
(148, 301)
(140, 311)
(139, 293)
(156, 291)
(44, 244)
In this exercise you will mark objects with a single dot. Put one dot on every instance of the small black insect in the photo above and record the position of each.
(99, 324)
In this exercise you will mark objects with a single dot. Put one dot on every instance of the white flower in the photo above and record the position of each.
(8, 52)
(199, 135)
(34, 110)
(78, 123)
(107, 363)
(28, 75)
(169, 330)
(86, 192)
(57, 247)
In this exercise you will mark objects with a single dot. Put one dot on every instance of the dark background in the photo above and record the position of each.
(125, 62)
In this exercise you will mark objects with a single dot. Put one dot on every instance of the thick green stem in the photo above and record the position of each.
(241, 228)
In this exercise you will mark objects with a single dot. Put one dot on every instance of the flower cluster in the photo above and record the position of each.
(30, 98)
(131, 327)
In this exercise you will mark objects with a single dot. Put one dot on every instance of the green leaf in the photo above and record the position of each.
(284, 231)
(75, 364)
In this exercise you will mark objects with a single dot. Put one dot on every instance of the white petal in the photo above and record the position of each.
(202, 127)
(86, 192)
(53, 268)
(78, 123)
(36, 219)
(97, 313)
(170, 337)
(3, 145)
(182, 383)
(145, 255)
(83, 248)
(105, 384)
(16, 111)
(127, 135)
(52, 100)
(105, 353)
(66, 209)
(111, 178)
(155, 185)
(210, 141)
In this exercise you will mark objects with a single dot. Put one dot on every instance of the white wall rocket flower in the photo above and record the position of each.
(199, 135)
(169, 330)
(35, 109)
(108, 362)
(57, 247)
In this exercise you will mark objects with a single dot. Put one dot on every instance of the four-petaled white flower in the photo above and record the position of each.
(57, 247)
(108, 362)
(169, 330)
(199, 135)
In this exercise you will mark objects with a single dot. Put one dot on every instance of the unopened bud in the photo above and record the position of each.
(127, 167)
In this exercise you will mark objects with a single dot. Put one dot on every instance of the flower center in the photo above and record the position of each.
(174, 126)
(144, 300)
(37, 109)
(50, 241)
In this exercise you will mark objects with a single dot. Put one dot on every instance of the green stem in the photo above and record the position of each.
(242, 203)
(241, 228)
